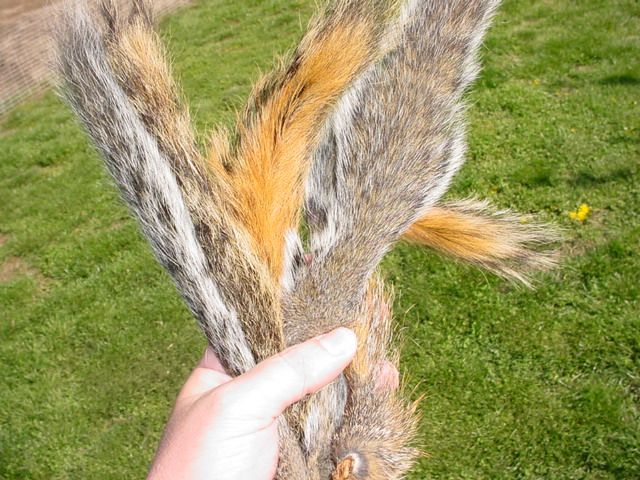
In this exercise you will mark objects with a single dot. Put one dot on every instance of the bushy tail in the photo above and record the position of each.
(510, 245)
(119, 84)
(389, 150)
(379, 101)
(278, 131)
(376, 436)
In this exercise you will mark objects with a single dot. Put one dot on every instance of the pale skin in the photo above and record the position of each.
(225, 428)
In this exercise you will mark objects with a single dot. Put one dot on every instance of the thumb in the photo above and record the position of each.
(207, 375)
(274, 384)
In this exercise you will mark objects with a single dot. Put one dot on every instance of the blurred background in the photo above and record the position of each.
(25, 47)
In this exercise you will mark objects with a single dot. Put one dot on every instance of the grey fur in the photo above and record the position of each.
(390, 149)
(146, 182)
(393, 144)
(241, 277)
(378, 425)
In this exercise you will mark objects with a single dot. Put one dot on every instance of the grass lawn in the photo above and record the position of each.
(95, 342)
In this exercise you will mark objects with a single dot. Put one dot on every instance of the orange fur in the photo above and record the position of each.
(459, 234)
(274, 149)
(373, 330)
(498, 241)
(141, 59)
(343, 470)
(139, 62)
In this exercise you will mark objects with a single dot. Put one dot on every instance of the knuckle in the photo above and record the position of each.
(293, 372)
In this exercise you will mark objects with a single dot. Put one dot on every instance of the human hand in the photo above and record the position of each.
(225, 428)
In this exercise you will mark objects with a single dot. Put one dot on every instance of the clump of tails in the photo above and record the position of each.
(356, 134)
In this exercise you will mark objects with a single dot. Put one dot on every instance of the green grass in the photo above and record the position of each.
(94, 341)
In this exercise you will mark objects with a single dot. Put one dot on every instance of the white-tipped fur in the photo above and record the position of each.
(393, 137)
(391, 148)
(328, 186)
(293, 255)
(145, 180)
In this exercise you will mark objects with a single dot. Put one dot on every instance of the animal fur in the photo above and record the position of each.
(360, 130)
(507, 244)
(169, 190)
(391, 147)
(393, 143)
(364, 448)
(280, 127)
(136, 60)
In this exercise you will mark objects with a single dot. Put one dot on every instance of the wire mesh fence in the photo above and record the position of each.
(26, 47)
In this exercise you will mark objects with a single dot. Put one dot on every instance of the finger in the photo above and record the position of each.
(274, 384)
(388, 377)
(308, 258)
(210, 360)
(207, 375)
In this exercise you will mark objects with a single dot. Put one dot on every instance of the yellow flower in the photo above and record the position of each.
(581, 213)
